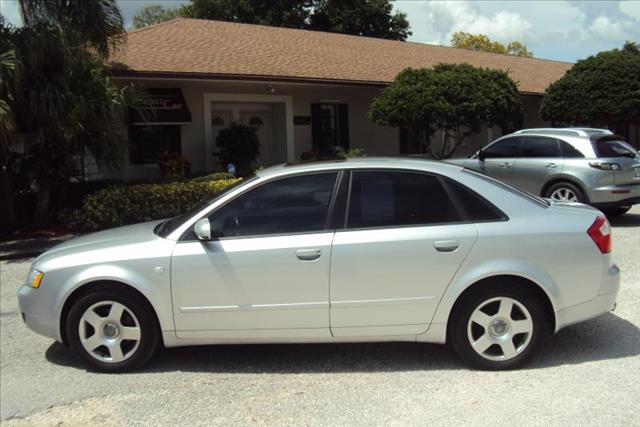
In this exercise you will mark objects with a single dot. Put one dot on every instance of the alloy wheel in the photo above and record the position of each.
(500, 329)
(564, 194)
(109, 331)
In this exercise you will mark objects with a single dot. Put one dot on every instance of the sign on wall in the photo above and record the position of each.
(302, 120)
(161, 105)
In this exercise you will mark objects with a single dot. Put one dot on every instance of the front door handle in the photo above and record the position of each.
(505, 165)
(446, 245)
(308, 254)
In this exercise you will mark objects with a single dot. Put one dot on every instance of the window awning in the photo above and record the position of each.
(162, 106)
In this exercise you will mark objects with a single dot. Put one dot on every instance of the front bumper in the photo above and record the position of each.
(37, 312)
(603, 303)
(615, 195)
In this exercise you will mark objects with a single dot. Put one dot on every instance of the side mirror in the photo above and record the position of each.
(481, 155)
(202, 228)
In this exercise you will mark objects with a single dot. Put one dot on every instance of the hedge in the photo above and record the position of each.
(121, 205)
(215, 176)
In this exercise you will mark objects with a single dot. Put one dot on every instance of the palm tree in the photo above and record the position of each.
(8, 89)
(67, 104)
(97, 23)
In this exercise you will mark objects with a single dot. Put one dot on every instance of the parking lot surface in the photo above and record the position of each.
(588, 374)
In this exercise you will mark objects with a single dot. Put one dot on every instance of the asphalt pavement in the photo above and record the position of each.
(588, 374)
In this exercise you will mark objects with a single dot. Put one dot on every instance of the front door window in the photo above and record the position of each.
(291, 205)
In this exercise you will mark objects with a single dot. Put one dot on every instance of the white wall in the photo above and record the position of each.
(377, 140)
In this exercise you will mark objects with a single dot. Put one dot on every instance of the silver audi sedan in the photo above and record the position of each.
(359, 250)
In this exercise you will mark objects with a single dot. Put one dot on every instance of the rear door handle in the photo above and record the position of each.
(446, 245)
(551, 165)
(308, 254)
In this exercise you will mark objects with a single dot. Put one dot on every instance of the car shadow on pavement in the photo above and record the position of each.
(626, 220)
(607, 337)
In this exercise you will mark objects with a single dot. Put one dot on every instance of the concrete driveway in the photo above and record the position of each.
(588, 374)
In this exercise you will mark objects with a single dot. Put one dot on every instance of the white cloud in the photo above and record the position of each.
(606, 28)
(555, 29)
(630, 8)
(443, 18)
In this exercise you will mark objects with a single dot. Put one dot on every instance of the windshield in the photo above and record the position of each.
(614, 148)
(170, 225)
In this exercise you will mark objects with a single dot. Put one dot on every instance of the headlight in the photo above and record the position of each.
(34, 278)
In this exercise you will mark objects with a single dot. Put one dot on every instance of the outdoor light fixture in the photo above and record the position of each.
(270, 89)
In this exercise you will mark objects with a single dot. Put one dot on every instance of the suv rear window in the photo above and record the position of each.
(613, 148)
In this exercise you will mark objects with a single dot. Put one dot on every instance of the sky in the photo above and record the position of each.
(560, 30)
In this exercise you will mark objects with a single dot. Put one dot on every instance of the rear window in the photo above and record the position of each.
(613, 148)
(518, 192)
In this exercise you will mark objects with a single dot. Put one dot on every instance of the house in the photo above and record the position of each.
(301, 89)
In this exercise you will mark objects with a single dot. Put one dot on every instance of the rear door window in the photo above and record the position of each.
(388, 199)
(476, 208)
(569, 151)
(540, 146)
(505, 148)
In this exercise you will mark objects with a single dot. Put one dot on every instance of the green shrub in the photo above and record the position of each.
(121, 205)
(216, 176)
(239, 144)
(173, 166)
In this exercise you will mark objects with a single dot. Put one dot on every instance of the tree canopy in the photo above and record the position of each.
(456, 98)
(602, 90)
(373, 18)
(154, 14)
(482, 43)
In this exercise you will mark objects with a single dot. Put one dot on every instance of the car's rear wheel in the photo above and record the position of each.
(565, 192)
(112, 332)
(497, 329)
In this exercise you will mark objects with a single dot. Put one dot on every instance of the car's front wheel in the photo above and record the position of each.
(497, 329)
(112, 331)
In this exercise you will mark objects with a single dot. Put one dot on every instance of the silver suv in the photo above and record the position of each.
(583, 165)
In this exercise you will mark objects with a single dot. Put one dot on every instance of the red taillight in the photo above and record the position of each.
(600, 233)
(605, 166)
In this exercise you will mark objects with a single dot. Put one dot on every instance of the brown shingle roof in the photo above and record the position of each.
(201, 48)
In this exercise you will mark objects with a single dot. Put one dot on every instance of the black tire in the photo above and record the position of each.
(618, 211)
(566, 186)
(458, 335)
(149, 331)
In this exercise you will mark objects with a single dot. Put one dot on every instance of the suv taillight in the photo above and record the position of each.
(600, 233)
(605, 166)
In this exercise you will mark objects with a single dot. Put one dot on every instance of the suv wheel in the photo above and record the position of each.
(613, 212)
(498, 329)
(112, 332)
(566, 192)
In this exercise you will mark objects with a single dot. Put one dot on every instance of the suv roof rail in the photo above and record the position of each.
(567, 131)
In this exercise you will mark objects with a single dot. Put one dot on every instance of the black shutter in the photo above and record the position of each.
(173, 139)
(316, 126)
(343, 122)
